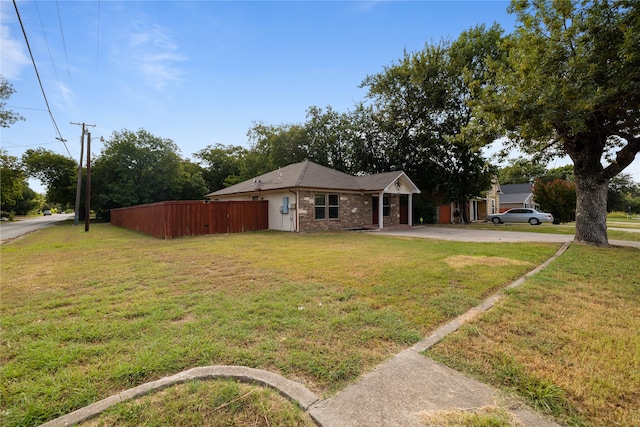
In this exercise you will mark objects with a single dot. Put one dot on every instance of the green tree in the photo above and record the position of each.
(565, 172)
(274, 147)
(521, 171)
(330, 136)
(569, 86)
(56, 172)
(368, 142)
(557, 196)
(192, 185)
(135, 168)
(28, 202)
(621, 193)
(7, 117)
(220, 163)
(12, 178)
(423, 106)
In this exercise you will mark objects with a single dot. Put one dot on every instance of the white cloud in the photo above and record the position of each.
(155, 55)
(12, 55)
(66, 100)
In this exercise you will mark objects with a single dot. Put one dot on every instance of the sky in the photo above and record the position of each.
(203, 72)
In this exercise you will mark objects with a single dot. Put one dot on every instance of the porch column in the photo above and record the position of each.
(381, 210)
(410, 207)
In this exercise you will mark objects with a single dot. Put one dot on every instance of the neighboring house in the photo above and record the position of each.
(478, 207)
(516, 196)
(308, 197)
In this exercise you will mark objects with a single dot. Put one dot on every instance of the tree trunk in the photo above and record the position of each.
(591, 209)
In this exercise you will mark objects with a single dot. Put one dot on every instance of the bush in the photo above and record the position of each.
(9, 215)
(557, 197)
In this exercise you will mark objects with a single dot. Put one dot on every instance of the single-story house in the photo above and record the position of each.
(477, 208)
(516, 196)
(308, 197)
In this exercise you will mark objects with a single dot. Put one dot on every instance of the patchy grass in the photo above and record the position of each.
(219, 403)
(489, 416)
(86, 315)
(623, 217)
(567, 341)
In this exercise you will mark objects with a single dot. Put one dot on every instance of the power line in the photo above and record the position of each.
(64, 44)
(33, 61)
(98, 40)
(25, 108)
(46, 41)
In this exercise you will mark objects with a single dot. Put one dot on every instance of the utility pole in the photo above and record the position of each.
(87, 199)
(76, 214)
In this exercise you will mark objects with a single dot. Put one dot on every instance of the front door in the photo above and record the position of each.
(404, 209)
(374, 209)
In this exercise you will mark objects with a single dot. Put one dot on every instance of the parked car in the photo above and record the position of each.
(47, 212)
(529, 215)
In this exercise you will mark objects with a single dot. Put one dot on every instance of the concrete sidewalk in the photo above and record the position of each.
(396, 392)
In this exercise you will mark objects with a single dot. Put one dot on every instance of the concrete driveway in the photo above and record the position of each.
(466, 235)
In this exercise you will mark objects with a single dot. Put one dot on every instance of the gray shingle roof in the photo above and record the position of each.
(516, 188)
(515, 193)
(311, 175)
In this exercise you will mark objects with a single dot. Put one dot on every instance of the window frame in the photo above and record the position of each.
(320, 208)
(327, 211)
(333, 209)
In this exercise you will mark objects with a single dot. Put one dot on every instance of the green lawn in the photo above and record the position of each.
(86, 315)
(566, 341)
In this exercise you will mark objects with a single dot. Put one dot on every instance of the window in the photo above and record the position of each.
(327, 202)
(385, 206)
(333, 206)
(321, 205)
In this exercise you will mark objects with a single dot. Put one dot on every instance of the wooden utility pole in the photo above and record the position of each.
(76, 214)
(87, 199)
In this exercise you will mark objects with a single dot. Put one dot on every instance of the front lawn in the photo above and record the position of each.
(86, 315)
(566, 341)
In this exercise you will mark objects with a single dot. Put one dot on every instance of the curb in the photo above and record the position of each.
(287, 388)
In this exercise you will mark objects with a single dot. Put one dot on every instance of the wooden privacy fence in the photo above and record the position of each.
(167, 220)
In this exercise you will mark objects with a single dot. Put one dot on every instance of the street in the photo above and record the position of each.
(10, 230)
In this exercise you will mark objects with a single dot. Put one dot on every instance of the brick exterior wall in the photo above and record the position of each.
(354, 211)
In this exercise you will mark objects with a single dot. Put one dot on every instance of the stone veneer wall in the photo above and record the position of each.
(355, 211)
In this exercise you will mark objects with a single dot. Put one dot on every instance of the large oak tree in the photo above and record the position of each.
(570, 85)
